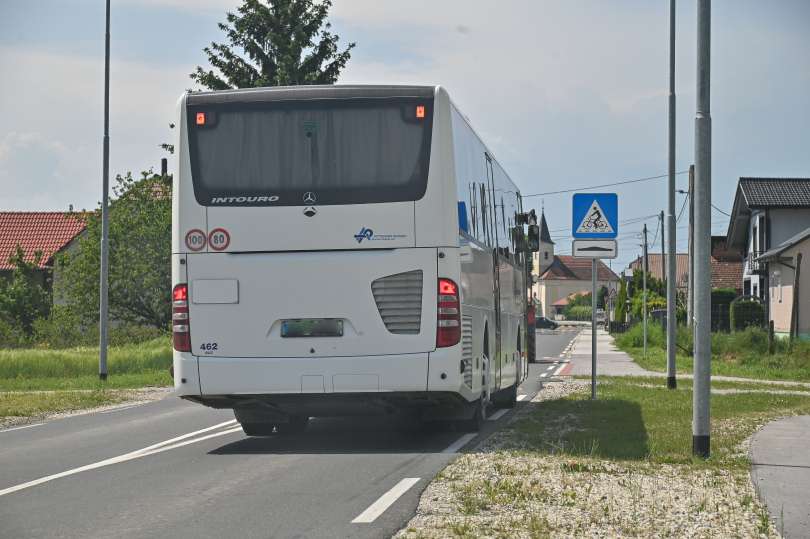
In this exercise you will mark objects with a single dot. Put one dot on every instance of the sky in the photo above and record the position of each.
(566, 93)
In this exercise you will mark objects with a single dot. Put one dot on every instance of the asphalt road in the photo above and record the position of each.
(176, 469)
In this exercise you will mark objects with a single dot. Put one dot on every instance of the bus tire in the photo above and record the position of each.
(258, 429)
(508, 397)
(476, 422)
(296, 424)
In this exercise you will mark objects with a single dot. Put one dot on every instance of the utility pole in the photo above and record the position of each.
(663, 251)
(672, 321)
(105, 218)
(690, 299)
(645, 269)
(703, 196)
(594, 269)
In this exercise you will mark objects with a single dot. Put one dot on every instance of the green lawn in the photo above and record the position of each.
(129, 366)
(36, 381)
(744, 354)
(638, 419)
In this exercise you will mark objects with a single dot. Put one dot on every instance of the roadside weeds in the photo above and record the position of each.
(22, 408)
(566, 466)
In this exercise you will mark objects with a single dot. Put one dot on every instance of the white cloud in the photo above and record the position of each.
(54, 103)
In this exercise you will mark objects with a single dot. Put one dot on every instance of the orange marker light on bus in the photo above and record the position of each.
(420, 111)
(200, 118)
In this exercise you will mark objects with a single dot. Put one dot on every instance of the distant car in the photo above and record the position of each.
(545, 323)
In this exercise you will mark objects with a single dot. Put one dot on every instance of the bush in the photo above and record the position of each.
(11, 336)
(67, 329)
(745, 313)
(654, 301)
(578, 312)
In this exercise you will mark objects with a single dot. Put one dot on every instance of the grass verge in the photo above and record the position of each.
(618, 466)
(35, 382)
(743, 354)
(27, 404)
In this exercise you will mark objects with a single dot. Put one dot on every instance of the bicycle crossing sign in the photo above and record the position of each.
(595, 215)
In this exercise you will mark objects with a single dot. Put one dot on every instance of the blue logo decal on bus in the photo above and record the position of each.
(364, 234)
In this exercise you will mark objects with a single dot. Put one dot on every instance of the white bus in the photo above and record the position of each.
(342, 250)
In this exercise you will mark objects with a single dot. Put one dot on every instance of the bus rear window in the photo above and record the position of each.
(285, 153)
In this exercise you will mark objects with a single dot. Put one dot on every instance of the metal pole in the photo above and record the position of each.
(690, 300)
(105, 219)
(663, 250)
(672, 321)
(593, 329)
(644, 271)
(703, 179)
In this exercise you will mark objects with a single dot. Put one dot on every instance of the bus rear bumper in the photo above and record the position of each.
(316, 375)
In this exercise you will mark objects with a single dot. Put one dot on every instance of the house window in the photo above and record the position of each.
(545, 255)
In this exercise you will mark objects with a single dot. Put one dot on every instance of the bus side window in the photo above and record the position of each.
(484, 222)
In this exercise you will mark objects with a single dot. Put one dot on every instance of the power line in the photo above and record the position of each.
(621, 182)
(721, 211)
(685, 200)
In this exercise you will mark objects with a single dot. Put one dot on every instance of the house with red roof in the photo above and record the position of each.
(559, 277)
(46, 232)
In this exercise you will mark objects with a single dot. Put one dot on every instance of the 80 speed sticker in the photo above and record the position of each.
(219, 239)
(195, 239)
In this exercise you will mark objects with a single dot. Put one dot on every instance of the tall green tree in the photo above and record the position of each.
(620, 314)
(25, 296)
(275, 43)
(140, 253)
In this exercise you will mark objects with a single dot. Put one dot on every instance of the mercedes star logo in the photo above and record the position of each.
(310, 198)
(309, 211)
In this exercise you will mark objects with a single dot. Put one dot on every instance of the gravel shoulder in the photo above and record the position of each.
(508, 487)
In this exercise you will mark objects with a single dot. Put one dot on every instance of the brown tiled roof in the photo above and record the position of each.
(48, 232)
(572, 268)
(656, 269)
(727, 274)
(562, 302)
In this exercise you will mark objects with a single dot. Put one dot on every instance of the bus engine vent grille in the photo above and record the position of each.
(466, 349)
(399, 300)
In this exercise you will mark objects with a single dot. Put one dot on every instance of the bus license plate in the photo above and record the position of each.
(312, 327)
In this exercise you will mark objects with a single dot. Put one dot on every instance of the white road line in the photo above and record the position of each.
(550, 367)
(458, 444)
(544, 375)
(21, 428)
(150, 450)
(122, 408)
(521, 397)
(385, 501)
(559, 370)
(497, 415)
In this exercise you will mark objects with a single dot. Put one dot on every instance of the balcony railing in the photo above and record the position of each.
(755, 266)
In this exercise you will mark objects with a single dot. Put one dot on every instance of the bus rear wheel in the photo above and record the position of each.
(258, 429)
(476, 422)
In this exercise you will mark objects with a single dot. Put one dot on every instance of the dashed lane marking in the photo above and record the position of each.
(385, 501)
(544, 375)
(521, 397)
(497, 415)
(461, 442)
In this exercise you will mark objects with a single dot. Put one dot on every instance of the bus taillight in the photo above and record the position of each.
(448, 314)
(181, 337)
